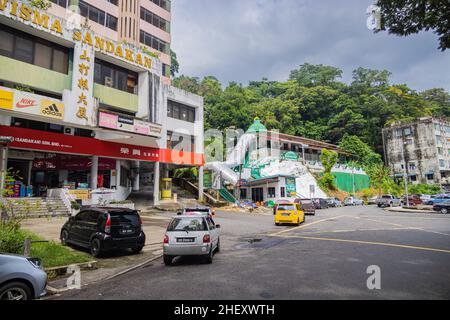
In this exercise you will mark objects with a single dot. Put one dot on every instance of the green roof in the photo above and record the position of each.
(257, 126)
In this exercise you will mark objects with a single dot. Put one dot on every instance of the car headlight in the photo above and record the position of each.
(36, 262)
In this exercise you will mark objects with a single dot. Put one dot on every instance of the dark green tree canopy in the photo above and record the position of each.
(405, 17)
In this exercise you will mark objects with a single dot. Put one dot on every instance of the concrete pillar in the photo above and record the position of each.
(118, 174)
(200, 183)
(156, 184)
(166, 170)
(3, 168)
(136, 176)
(30, 168)
(94, 172)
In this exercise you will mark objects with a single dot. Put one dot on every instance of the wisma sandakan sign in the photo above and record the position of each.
(24, 13)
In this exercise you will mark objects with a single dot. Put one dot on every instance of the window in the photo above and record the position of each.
(180, 111)
(243, 193)
(173, 139)
(61, 3)
(154, 19)
(97, 15)
(283, 192)
(441, 163)
(115, 77)
(165, 70)
(114, 2)
(153, 42)
(124, 176)
(398, 133)
(30, 49)
(165, 4)
(412, 166)
(438, 139)
(408, 141)
(430, 176)
(111, 22)
(271, 192)
(407, 131)
(44, 126)
(413, 177)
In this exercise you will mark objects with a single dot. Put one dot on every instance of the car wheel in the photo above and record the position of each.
(96, 248)
(64, 237)
(209, 256)
(15, 291)
(167, 260)
(444, 210)
(136, 250)
(298, 221)
(218, 245)
(277, 224)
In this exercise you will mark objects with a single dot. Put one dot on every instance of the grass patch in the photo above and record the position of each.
(54, 254)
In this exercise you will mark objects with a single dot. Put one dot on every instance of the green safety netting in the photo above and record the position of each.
(344, 181)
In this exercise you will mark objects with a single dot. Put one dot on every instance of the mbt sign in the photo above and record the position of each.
(39, 19)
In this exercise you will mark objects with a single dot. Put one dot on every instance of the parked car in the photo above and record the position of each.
(353, 201)
(103, 228)
(321, 203)
(388, 200)
(21, 278)
(290, 213)
(442, 207)
(307, 206)
(424, 197)
(372, 200)
(413, 200)
(438, 199)
(191, 236)
(334, 202)
(189, 210)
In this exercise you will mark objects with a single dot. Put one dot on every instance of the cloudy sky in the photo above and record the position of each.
(243, 40)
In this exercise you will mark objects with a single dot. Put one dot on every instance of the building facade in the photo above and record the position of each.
(83, 107)
(419, 149)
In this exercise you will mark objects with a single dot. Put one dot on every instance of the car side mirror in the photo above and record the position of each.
(179, 213)
(218, 226)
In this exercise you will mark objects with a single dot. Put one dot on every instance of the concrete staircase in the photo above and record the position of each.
(32, 207)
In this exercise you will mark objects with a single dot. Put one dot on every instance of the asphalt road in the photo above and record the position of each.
(325, 258)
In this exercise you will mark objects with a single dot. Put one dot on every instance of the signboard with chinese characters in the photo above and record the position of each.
(30, 103)
(82, 100)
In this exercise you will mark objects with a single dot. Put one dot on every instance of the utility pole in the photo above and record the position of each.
(405, 174)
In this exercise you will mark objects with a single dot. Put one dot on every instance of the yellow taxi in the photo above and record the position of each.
(291, 213)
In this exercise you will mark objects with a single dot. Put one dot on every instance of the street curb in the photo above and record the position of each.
(412, 211)
(53, 291)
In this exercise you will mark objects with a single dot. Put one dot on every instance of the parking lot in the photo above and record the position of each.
(325, 258)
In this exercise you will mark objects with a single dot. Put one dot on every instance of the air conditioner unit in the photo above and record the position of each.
(108, 82)
(69, 131)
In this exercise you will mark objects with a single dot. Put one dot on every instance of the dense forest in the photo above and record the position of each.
(314, 103)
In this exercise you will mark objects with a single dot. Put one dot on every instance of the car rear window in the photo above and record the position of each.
(386, 197)
(124, 217)
(196, 210)
(285, 207)
(187, 224)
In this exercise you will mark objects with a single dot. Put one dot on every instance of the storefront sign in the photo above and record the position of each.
(80, 194)
(29, 139)
(41, 20)
(128, 124)
(30, 103)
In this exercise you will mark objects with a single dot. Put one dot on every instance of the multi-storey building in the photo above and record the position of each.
(419, 149)
(84, 106)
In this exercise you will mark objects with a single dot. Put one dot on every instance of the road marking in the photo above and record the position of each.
(368, 242)
(304, 225)
(354, 230)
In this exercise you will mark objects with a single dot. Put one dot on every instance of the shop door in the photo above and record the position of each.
(257, 194)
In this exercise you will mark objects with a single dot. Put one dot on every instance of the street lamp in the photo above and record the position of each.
(405, 175)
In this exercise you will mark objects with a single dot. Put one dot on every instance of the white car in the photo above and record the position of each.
(191, 235)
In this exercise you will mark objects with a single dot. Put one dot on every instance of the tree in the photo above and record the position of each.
(365, 155)
(379, 176)
(405, 17)
(174, 65)
(315, 74)
(328, 159)
(370, 77)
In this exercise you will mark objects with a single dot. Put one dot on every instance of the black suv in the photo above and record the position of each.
(103, 228)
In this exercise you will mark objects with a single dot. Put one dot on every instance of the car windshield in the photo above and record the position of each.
(306, 201)
(285, 207)
(196, 210)
(187, 224)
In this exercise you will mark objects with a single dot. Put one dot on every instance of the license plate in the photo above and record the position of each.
(285, 214)
(126, 231)
(185, 239)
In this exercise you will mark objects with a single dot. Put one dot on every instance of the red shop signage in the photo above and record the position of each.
(57, 142)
